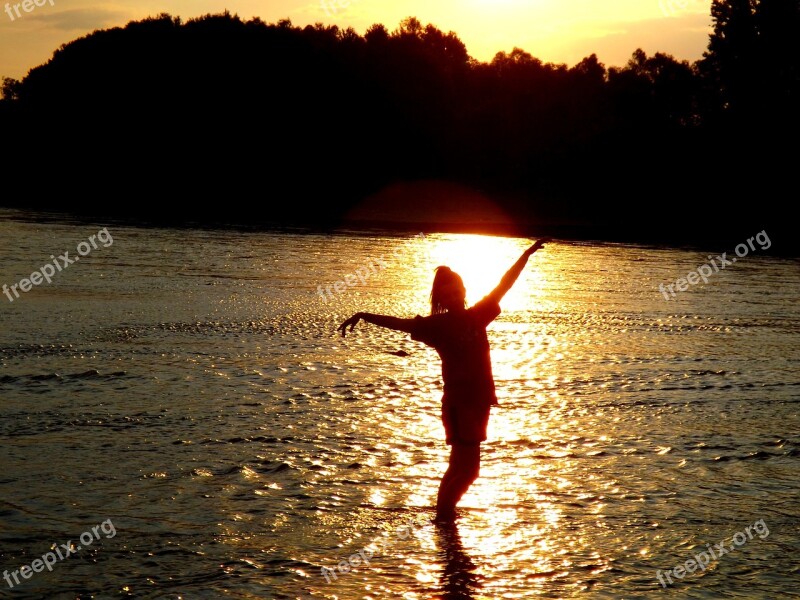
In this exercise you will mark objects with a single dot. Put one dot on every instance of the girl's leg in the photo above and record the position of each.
(462, 471)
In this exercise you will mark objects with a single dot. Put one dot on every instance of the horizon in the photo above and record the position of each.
(552, 33)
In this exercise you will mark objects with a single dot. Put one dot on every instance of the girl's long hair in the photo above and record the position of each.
(443, 277)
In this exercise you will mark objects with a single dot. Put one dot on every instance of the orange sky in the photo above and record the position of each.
(552, 30)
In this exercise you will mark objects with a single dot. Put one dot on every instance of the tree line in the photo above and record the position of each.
(265, 116)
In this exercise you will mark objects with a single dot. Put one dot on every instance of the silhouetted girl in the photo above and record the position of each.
(458, 334)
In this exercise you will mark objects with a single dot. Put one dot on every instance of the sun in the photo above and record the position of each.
(481, 261)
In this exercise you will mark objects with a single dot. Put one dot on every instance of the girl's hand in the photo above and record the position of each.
(537, 245)
(352, 322)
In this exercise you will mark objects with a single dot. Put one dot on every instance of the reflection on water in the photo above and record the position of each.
(191, 386)
(458, 579)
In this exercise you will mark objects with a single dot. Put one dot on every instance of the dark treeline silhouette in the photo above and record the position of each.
(275, 120)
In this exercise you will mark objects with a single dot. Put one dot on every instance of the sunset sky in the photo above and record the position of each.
(552, 30)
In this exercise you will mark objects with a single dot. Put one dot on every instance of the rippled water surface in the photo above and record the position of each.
(190, 388)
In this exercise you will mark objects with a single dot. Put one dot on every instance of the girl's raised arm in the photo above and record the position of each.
(510, 278)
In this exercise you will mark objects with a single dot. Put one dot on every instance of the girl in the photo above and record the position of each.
(458, 334)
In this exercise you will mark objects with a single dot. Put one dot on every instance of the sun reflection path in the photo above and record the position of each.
(511, 517)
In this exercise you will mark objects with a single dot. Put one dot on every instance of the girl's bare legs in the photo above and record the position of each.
(462, 471)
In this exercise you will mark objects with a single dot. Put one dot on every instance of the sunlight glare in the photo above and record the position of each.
(482, 261)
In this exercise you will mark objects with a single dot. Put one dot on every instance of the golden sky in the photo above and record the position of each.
(561, 31)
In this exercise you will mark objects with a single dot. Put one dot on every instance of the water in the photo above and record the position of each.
(189, 387)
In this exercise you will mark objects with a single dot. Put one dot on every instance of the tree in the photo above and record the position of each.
(590, 69)
(751, 65)
(730, 60)
(410, 26)
(778, 24)
(377, 34)
(10, 88)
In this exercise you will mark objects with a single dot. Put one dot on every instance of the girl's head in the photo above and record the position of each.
(448, 292)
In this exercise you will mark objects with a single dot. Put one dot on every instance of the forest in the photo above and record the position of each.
(295, 125)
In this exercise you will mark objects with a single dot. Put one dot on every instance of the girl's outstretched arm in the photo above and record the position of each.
(510, 278)
(379, 320)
